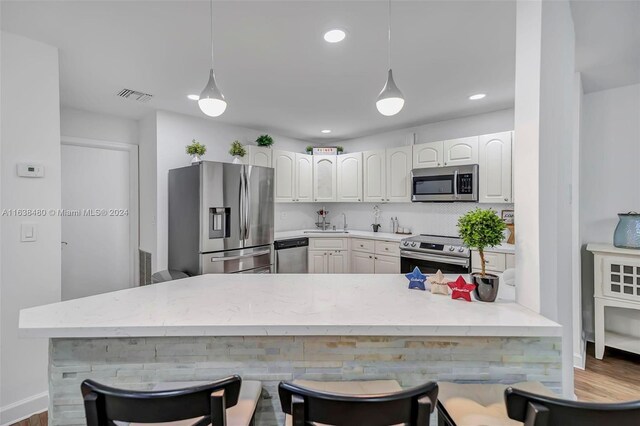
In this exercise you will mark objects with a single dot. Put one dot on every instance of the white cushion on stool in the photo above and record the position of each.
(238, 415)
(482, 404)
(357, 387)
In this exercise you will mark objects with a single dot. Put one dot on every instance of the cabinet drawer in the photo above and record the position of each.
(328, 244)
(494, 261)
(359, 244)
(391, 248)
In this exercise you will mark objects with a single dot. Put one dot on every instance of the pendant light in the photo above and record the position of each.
(211, 101)
(390, 100)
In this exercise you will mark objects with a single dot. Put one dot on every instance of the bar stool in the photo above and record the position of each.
(228, 401)
(479, 404)
(540, 410)
(370, 403)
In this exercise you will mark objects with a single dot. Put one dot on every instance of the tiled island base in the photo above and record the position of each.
(139, 363)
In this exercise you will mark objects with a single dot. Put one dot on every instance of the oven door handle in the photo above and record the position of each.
(435, 258)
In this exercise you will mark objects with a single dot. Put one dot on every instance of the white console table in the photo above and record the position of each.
(616, 284)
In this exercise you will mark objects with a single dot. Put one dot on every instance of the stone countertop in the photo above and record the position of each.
(281, 305)
(315, 233)
(502, 248)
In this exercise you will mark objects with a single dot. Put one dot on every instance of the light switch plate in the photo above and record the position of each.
(31, 170)
(28, 232)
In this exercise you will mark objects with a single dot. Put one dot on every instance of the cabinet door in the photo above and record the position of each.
(428, 155)
(260, 156)
(338, 262)
(362, 263)
(375, 182)
(495, 168)
(387, 264)
(304, 178)
(398, 169)
(324, 178)
(349, 175)
(317, 262)
(458, 152)
(284, 164)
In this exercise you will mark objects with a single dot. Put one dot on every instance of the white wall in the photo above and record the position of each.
(480, 124)
(174, 133)
(30, 271)
(147, 172)
(610, 154)
(90, 125)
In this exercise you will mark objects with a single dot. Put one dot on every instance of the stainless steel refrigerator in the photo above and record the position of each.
(221, 218)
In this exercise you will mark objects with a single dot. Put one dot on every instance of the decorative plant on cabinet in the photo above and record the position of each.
(480, 229)
(196, 150)
(237, 151)
(264, 140)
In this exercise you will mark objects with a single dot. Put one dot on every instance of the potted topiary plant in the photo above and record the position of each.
(196, 150)
(264, 140)
(339, 149)
(237, 151)
(309, 149)
(480, 229)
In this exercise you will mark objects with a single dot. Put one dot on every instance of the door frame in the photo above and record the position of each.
(133, 193)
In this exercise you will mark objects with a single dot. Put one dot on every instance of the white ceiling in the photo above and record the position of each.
(272, 64)
(279, 75)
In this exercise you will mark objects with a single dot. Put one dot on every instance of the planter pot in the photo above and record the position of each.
(237, 159)
(195, 159)
(627, 233)
(376, 227)
(486, 287)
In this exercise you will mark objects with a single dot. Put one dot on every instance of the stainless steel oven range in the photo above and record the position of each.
(433, 252)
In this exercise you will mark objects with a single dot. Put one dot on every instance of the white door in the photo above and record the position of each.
(260, 156)
(375, 183)
(349, 174)
(495, 168)
(338, 262)
(284, 163)
(428, 155)
(362, 263)
(324, 178)
(459, 152)
(398, 174)
(100, 231)
(387, 264)
(304, 178)
(317, 262)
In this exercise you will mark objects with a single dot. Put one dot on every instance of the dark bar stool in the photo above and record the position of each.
(203, 404)
(304, 405)
(539, 410)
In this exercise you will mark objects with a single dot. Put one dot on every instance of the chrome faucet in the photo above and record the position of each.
(344, 217)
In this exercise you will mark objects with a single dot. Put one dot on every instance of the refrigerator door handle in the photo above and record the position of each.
(247, 216)
(242, 205)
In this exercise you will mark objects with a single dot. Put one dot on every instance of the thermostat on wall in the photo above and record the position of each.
(30, 170)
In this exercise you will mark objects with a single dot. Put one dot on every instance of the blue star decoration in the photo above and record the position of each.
(416, 279)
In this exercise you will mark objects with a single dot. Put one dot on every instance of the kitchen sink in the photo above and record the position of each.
(328, 231)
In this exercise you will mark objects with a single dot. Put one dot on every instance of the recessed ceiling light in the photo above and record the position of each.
(477, 96)
(334, 36)
(193, 97)
(326, 131)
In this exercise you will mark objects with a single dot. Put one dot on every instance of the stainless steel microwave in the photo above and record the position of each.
(441, 184)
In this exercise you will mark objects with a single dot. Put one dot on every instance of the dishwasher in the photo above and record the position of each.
(291, 256)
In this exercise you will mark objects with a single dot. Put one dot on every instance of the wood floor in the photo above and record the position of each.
(615, 378)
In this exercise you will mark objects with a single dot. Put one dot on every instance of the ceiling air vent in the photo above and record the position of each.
(135, 95)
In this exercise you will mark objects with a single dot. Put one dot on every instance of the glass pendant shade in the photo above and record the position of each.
(212, 101)
(390, 100)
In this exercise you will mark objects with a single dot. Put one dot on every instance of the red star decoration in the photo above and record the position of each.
(460, 289)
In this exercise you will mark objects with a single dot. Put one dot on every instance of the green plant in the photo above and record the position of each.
(309, 148)
(237, 149)
(480, 229)
(264, 140)
(340, 149)
(196, 148)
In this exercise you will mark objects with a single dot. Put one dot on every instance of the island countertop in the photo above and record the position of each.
(281, 305)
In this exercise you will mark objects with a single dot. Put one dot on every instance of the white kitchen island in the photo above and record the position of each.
(282, 327)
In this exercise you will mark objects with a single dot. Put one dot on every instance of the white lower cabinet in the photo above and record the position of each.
(386, 264)
(328, 255)
(494, 261)
(362, 263)
(375, 257)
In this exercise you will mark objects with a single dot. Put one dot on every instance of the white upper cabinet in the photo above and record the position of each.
(459, 152)
(259, 156)
(324, 178)
(303, 178)
(349, 175)
(427, 155)
(284, 163)
(375, 181)
(399, 162)
(495, 168)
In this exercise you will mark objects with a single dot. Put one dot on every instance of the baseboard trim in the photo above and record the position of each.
(23, 409)
(580, 358)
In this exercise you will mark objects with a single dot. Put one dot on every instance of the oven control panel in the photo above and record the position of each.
(450, 250)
